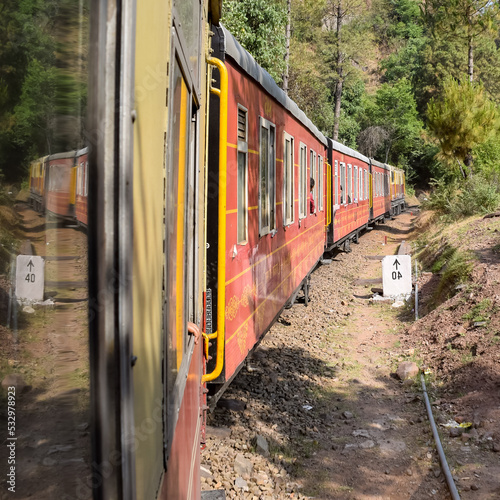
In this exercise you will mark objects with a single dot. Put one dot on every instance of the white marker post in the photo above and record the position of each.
(396, 275)
(30, 276)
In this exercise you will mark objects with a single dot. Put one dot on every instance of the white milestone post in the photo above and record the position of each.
(396, 275)
(30, 275)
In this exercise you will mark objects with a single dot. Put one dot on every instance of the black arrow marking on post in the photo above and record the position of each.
(30, 265)
(396, 263)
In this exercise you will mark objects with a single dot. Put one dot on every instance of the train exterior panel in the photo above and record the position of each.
(60, 185)
(273, 238)
(349, 192)
(82, 186)
(381, 204)
(37, 183)
(397, 190)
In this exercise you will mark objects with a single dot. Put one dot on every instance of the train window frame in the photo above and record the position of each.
(174, 383)
(180, 21)
(313, 175)
(242, 207)
(320, 184)
(267, 192)
(288, 187)
(366, 183)
(361, 192)
(336, 177)
(343, 184)
(349, 183)
(355, 195)
(336, 181)
(302, 181)
(86, 179)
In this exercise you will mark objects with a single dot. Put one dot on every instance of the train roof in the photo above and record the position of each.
(341, 148)
(61, 156)
(380, 164)
(247, 63)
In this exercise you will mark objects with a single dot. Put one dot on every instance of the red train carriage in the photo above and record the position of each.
(350, 194)
(60, 185)
(275, 226)
(380, 191)
(82, 185)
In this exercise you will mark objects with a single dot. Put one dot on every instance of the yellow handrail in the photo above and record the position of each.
(221, 251)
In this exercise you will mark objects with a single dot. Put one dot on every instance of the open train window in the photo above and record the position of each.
(336, 182)
(355, 182)
(349, 183)
(242, 174)
(313, 174)
(288, 180)
(361, 197)
(320, 182)
(303, 181)
(267, 176)
(343, 187)
(366, 184)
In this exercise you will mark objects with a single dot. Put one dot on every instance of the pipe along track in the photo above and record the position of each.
(442, 458)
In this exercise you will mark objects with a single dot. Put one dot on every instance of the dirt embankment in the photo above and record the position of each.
(318, 412)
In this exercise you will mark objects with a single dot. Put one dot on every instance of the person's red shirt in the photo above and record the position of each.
(312, 208)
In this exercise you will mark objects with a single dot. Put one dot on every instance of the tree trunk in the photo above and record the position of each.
(340, 73)
(287, 53)
(471, 60)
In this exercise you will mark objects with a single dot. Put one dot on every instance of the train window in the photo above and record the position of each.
(361, 184)
(366, 184)
(355, 179)
(288, 180)
(303, 181)
(267, 186)
(242, 174)
(320, 182)
(86, 176)
(175, 227)
(343, 187)
(349, 183)
(336, 182)
(187, 13)
(313, 175)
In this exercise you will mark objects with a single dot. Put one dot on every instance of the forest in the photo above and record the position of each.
(43, 81)
(409, 82)
(412, 83)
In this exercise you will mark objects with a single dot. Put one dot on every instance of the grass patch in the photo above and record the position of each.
(480, 312)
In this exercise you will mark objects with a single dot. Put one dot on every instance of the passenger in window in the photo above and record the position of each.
(341, 195)
(312, 208)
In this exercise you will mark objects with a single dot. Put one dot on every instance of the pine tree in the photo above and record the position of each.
(462, 119)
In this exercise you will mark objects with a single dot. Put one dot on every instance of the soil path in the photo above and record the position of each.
(320, 391)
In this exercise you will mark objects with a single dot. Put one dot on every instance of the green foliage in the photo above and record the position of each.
(42, 80)
(456, 271)
(461, 120)
(487, 159)
(393, 109)
(259, 25)
(457, 199)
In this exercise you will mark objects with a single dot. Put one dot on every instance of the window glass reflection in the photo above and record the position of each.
(44, 353)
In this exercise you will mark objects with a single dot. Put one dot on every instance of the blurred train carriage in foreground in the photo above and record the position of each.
(194, 191)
